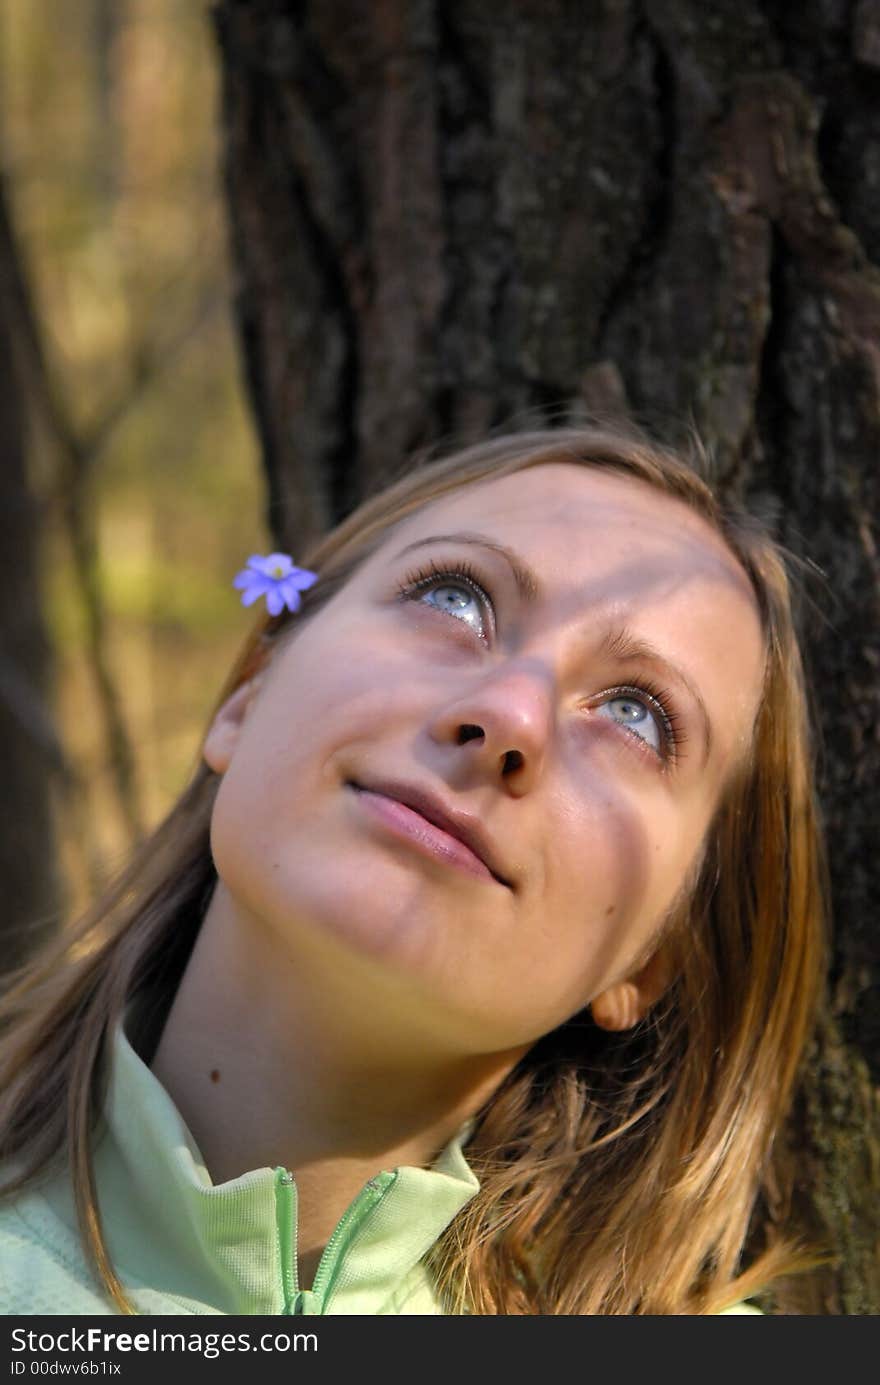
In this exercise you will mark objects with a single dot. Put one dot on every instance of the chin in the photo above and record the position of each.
(375, 909)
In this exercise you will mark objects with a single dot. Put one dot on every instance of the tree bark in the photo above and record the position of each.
(445, 215)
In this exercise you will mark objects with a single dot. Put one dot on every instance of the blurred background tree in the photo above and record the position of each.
(130, 479)
(443, 216)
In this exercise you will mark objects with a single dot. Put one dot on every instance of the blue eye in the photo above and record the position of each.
(456, 593)
(457, 601)
(636, 714)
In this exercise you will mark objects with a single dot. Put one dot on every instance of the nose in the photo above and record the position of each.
(503, 722)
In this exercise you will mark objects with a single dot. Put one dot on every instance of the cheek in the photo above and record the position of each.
(606, 840)
(325, 699)
(335, 680)
(615, 865)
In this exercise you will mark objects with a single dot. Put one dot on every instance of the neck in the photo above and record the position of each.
(309, 1059)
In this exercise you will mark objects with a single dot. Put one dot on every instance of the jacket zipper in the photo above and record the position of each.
(372, 1192)
(286, 1210)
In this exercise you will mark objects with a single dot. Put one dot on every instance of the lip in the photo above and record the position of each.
(457, 837)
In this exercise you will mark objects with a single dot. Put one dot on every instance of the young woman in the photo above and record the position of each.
(472, 971)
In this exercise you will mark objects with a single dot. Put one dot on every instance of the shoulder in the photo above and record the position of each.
(42, 1267)
(415, 1294)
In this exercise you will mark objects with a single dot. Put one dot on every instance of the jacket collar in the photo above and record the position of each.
(216, 1247)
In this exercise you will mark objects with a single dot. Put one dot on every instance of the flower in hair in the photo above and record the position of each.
(276, 578)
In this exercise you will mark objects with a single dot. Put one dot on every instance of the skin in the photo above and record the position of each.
(384, 995)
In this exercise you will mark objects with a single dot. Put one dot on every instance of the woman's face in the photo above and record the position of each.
(588, 725)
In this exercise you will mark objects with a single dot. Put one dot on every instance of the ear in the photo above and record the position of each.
(225, 730)
(624, 1003)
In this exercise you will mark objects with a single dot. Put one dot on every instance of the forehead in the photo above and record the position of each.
(566, 519)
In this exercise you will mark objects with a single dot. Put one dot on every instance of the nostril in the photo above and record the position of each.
(469, 733)
(512, 760)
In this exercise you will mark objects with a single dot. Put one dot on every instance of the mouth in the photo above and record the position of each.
(413, 815)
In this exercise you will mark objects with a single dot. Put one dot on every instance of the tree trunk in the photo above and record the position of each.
(28, 743)
(444, 215)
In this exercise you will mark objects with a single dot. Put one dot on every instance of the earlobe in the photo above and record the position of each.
(225, 730)
(623, 1004)
(617, 1007)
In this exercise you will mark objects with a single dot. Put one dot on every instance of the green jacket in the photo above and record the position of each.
(182, 1244)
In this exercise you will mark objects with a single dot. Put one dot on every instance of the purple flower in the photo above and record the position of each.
(276, 578)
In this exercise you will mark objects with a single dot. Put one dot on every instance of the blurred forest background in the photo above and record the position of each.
(440, 217)
(141, 460)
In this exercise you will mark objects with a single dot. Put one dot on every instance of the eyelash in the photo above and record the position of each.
(659, 699)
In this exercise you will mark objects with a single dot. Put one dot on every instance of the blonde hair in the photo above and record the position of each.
(618, 1172)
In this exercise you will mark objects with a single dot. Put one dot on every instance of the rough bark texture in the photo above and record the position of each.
(444, 214)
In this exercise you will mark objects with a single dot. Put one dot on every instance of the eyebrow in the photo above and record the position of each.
(527, 583)
(619, 642)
